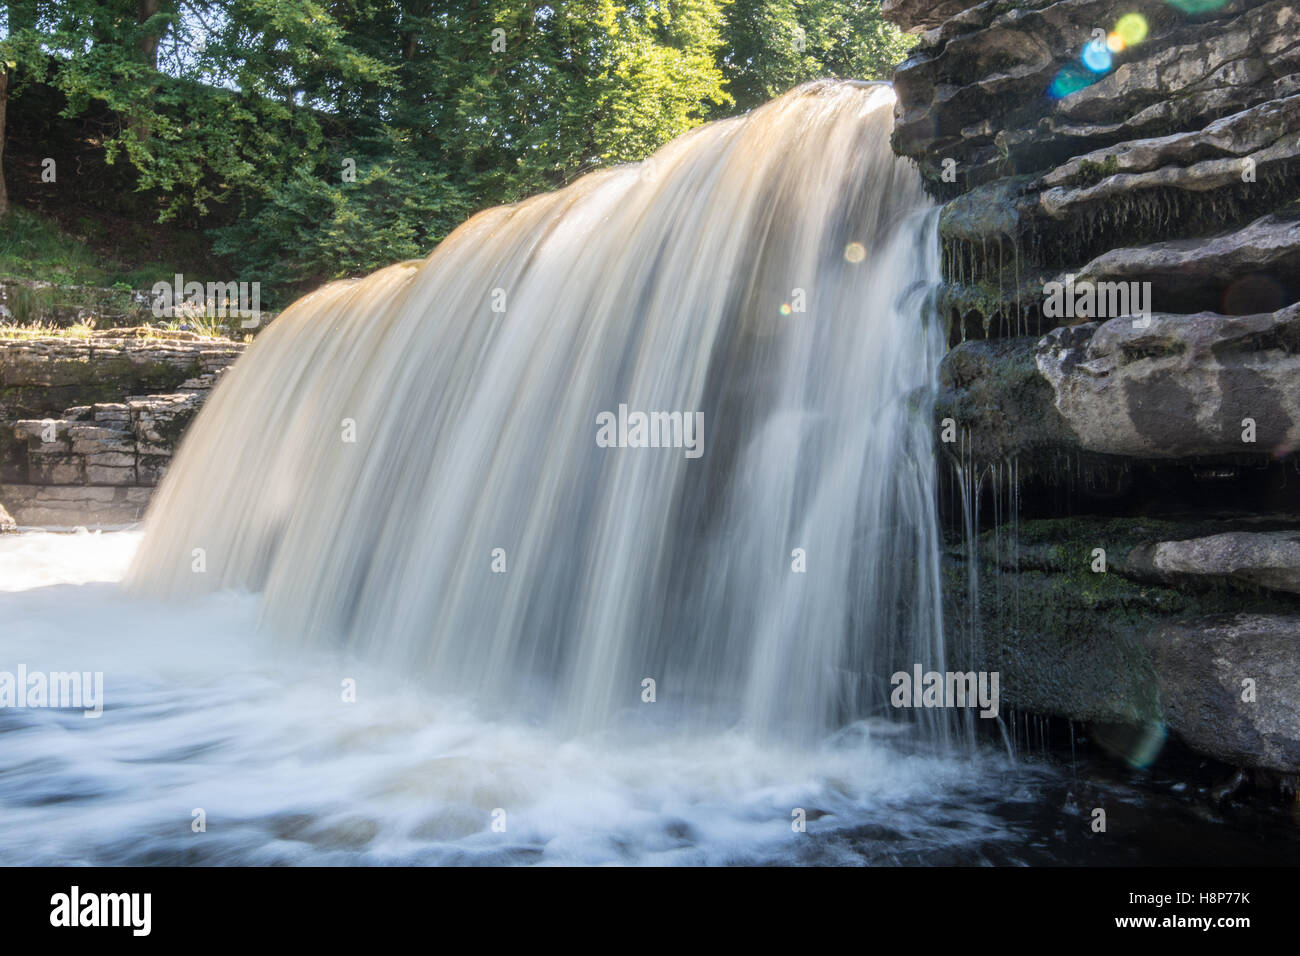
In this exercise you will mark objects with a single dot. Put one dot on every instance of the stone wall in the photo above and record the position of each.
(1159, 423)
(88, 426)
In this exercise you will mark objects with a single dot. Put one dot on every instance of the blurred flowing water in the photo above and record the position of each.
(770, 276)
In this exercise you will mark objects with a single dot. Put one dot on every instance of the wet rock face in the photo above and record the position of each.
(1228, 687)
(1184, 609)
(1181, 386)
(1189, 129)
(1121, 260)
(1005, 406)
(1137, 148)
(1266, 559)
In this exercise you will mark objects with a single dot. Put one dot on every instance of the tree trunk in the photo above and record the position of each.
(410, 39)
(22, 17)
(149, 53)
(4, 102)
(149, 42)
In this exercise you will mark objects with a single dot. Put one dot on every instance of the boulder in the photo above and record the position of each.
(1230, 687)
(1267, 559)
(1180, 385)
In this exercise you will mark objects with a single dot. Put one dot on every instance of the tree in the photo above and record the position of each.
(321, 138)
(492, 101)
(773, 45)
(19, 50)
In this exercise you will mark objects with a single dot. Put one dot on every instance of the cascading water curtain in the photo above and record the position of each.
(664, 431)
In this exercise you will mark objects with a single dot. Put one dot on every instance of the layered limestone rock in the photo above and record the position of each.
(61, 507)
(1002, 88)
(40, 377)
(1264, 559)
(1121, 260)
(1116, 622)
(1232, 269)
(1179, 386)
(1189, 131)
(87, 442)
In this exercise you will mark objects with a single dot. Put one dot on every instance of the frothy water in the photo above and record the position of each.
(204, 713)
(414, 467)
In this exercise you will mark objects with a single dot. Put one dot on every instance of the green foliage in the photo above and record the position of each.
(661, 77)
(240, 116)
(398, 207)
(773, 45)
(461, 118)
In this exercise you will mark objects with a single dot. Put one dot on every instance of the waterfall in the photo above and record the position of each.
(407, 466)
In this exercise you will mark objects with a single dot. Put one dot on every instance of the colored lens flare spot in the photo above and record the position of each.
(1197, 6)
(1097, 56)
(1070, 80)
(1132, 28)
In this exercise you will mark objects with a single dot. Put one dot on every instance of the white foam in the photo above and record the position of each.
(202, 712)
(37, 559)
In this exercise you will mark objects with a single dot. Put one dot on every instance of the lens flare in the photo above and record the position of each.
(1070, 80)
(1132, 28)
(1097, 56)
(1197, 6)
(785, 308)
(1115, 43)
(1253, 294)
(855, 252)
(1136, 746)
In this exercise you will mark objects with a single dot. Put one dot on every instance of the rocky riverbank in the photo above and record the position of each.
(1128, 468)
(89, 425)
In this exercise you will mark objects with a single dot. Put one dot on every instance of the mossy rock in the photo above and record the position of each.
(1071, 641)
